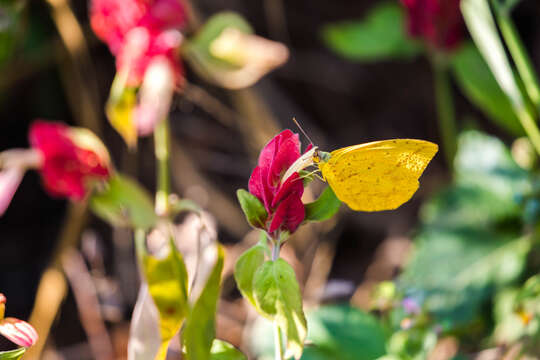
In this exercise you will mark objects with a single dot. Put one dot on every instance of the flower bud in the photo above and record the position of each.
(17, 331)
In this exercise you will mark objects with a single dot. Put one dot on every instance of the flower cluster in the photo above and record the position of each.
(69, 160)
(17, 331)
(68, 165)
(281, 197)
(438, 22)
(138, 31)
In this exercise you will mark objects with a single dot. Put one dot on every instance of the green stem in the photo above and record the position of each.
(278, 351)
(275, 251)
(162, 151)
(445, 112)
(529, 124)
(518, 52)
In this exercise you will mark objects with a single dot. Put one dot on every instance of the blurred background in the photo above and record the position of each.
(217, 137)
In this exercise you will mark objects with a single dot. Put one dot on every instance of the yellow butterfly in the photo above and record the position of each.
(376, 176)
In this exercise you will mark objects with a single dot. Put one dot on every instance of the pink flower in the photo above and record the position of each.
(67, 167)
(281, 197)
(142, 46)
(17, 331)
(138, 30)
(438, 22)
(9, 182)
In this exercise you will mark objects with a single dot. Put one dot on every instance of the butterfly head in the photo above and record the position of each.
(321, 156)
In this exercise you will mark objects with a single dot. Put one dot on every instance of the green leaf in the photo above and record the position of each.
(168, 285)
(456, 270)
(469, 205)
(346, 333)
(253, 209)
(380, 35)
(222, 350)
(484, 161)
(326, 206)
(12, 354)
(335, 332)
(245, 269)
(277, 295)
(477, 82)
(11, 28)
(199, 331)
(479, 20)
(124, 203)
(488, 186)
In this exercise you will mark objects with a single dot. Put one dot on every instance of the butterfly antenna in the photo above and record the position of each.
(302, 130)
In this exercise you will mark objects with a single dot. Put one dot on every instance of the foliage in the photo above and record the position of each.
(379, 36)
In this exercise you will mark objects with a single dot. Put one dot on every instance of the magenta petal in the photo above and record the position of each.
(9, 182)
(257, 186)
(293, 185)
(289, 215)
(288, 152)
(18, 331)
(269, 151)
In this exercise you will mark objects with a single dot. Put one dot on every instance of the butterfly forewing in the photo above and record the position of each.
(380, 175)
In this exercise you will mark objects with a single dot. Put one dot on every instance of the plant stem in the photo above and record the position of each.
(529, 124)
(278, 351)
(275, 249)
(518, 52)
(162, 151)
(445, 112)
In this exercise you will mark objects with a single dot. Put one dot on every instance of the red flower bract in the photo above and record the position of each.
(438, 22)
(142, 46)
(66, 167)
(282, 199)
(154, 21)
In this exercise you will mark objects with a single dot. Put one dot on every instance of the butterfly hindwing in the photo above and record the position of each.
(380, 175)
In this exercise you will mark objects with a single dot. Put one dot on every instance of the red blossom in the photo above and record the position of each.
(66, 167)
(282, 199)
(138, 30)
(437, 22)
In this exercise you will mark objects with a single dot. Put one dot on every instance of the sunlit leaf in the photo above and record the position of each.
(477, 82)
(168, 285)
(482, 27)
(199, 330)
(124, 203)
(222, 350)
(277, 294)
(120, 109)
(245, 269)
(326, 206)
(380, 35)
(253, 209)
